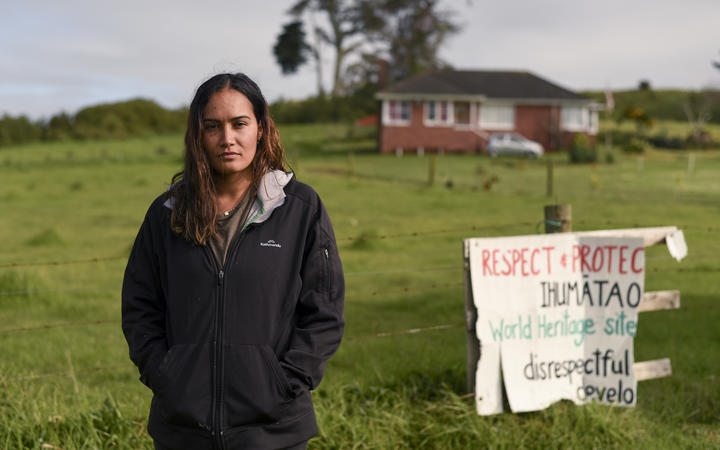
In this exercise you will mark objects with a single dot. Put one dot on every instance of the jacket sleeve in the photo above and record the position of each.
(319, 320)
(143, 305)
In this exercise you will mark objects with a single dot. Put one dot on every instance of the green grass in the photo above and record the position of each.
(400, 242)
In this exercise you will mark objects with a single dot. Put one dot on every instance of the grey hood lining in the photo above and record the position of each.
(270, 196)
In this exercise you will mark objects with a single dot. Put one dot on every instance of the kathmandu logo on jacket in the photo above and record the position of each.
(270, 243)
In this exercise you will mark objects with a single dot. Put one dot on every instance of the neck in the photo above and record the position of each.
(230, 190)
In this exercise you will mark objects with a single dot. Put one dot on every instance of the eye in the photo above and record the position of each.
(239, 124)
(209, 126)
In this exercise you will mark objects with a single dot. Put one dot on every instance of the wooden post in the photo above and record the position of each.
(351, 163)
(691, 164)
(558, 218)
(432, 165)
(549, 184)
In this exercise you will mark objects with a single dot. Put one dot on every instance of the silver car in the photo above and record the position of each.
(513, 144)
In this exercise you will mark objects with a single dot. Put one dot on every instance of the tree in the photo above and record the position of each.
(59, 127)
(19, 130)
(410, 33)
(698, 110)
(344, 24)
(290, 49)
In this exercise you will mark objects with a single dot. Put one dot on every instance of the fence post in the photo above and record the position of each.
(432, 165)
(691, 164)
(549, 183)
(351, 163)
(558, 218)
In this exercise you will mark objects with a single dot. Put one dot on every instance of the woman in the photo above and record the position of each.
(232, 300)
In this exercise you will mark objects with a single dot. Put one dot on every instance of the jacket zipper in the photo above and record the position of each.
(218, 353)
(218, 360)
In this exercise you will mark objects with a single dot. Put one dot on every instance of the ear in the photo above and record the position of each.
(259, 132)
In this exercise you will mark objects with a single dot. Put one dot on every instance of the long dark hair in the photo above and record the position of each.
(193, 189)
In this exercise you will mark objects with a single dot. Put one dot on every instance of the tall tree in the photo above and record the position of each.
(290, 50)
(410, 33)
(343, 24)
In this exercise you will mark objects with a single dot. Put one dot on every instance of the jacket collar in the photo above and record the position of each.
(270, 196)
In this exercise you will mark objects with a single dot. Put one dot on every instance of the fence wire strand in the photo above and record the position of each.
(69, 373)
(408, 331)
(594, 224)
(48, 326)
(374, 272)
(61, 263)
(51, 291)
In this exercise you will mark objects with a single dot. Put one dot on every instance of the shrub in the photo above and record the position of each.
(581, 151)
(636, 146)
(664, 141)
(610, 157)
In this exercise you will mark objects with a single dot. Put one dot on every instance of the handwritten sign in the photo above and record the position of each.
(557, 315)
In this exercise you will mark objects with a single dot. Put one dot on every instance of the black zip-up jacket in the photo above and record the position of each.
(232, 353)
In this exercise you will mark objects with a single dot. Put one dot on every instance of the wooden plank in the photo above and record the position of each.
(659, 300)
(471, 341)
(648, 370)
(651, 236)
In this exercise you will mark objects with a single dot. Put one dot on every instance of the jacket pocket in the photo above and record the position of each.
(182, 386)
(255, 387)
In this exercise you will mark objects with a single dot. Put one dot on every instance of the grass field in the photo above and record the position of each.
(66, 380)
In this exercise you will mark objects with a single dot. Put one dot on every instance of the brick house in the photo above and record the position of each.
(457, 110)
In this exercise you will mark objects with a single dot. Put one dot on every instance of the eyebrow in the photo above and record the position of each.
(210, 119)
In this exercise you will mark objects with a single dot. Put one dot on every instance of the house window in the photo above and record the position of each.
(436, 113)
(462, 113)
(593, 125)
(444, 112)
(399, 111)
(497, 116)
(574, 118)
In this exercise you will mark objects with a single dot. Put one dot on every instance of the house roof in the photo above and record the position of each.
(482, 83)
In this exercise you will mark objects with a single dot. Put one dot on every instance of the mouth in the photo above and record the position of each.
(225, 155)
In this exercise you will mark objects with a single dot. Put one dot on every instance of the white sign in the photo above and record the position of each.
(557, 314)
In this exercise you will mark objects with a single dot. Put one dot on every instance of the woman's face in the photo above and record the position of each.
(230, 133)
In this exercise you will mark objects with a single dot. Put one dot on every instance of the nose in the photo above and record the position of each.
(226, 137)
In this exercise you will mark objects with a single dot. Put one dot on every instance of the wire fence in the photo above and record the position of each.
(47, 326)
(73, 372)
(350, 296)
(370, 236)
(116, 367)
(456, 267)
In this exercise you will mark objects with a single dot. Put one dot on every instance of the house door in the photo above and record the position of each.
(462, 113)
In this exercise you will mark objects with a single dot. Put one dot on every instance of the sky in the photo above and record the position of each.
(62, 56)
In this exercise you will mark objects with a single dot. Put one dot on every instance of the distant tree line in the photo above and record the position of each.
(644, 106)
(325, 108)
(141, 117)
(131, 118)
(649, 104)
